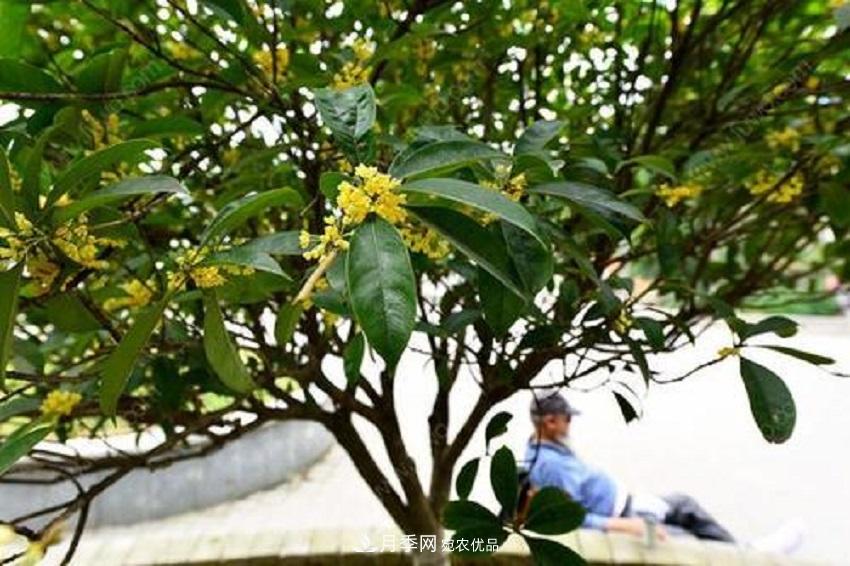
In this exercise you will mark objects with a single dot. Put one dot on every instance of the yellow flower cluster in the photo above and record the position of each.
(206, 276)
(788, 138)
(102, 136)
(331, 240)
(266, 61)
(622, 323)
(78, 243)
(778, 192)
(43, 272)
(180, 51)
(59, 403)
(355, 72)
(515, 188)
(137, 294)
(674, 195)
(17, 242)
(425, 241)
(727, 351)
(376, 193)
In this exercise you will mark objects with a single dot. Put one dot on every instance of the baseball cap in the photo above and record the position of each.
(551, 404)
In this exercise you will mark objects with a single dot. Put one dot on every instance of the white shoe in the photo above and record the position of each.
(786, 540)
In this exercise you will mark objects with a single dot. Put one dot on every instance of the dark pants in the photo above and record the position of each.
(689, 515)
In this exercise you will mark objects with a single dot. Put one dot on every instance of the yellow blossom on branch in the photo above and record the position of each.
(137, 294)
(674, 195)
(79, 244)
(788, 138)
(43, 272)
(59, 403)
(425, 241)
(727, 351)
(206, 276)
(267, 60)
(778, 191)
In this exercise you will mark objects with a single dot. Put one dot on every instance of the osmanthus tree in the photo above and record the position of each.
(203, 201)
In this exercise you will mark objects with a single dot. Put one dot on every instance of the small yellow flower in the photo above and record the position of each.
(674, 195)
(351, 74)
(623, 323)
(331, 239)
(354, 203)
(180, 51)
(812, 83)
(778, 191)
(425, 241)
(515, 189)
(59, 403)
(22, 222)
(207, 276)
(266, 61)
(727, 351)
(43, 272)
(788, 138)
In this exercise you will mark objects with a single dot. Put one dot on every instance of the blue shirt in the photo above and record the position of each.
(553, 464)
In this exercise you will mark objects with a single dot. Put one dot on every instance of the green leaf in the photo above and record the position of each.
(279, 243)
(14, 16)
(7, 196)
(91, 166)
(653, 330)
(504, 480)
(237, 212)
(20, 442)
(352, 358)
(329, 184)
(441, 157)
(500, 305)
(16, 76)
(497, 426)
(469, 515)
(770, 402)
(221, 351)
(815, 359)
(536, 137)
(247, 256)
(382, 288)
(102, 72)
(476, 242)
(167, 127)
(626, 409)
(10, 282)
(287, 322)
(594, 198)
(349, 114)
(432, 192)
(779, 325)
(552, 512)
(231, 8)
(532, 259)
(119, 191)
(117, 367)
(655, 163)
(547, 552)
(18, 406)
(466, 478)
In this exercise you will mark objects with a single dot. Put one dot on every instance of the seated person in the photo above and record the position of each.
(550, 462)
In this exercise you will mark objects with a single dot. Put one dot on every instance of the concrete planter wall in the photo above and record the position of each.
(260, 459)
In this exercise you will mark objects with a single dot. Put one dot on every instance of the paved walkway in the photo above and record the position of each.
(696, 437)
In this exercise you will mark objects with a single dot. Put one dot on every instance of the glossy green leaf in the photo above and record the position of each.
(537, 135)
(654, 163)
(10, 282)
(167, 127)
(91, 166)
(460, 515)
(21, 441)
(810, 357)
(770, 402)
(626, 408)
(352, 358)
(18, 406)
(279, 243)
(381, 287)
(441, 157)
(221, 352)
(237, 212)
(431, 192)
(117, 367)
(497, 426)
(531, 257)
(552, 512)
(475, 242)
(247, 256)
(779, 325)
(287, 322)
(14, 17)
(350, 114)
(504, 480)
(594, 198)
(16, 76)
(466, 478)
(500, 305)
(547, 552)
(119, 191)
(102, 72)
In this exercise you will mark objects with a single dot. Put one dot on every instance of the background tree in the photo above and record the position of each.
(204, 201)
